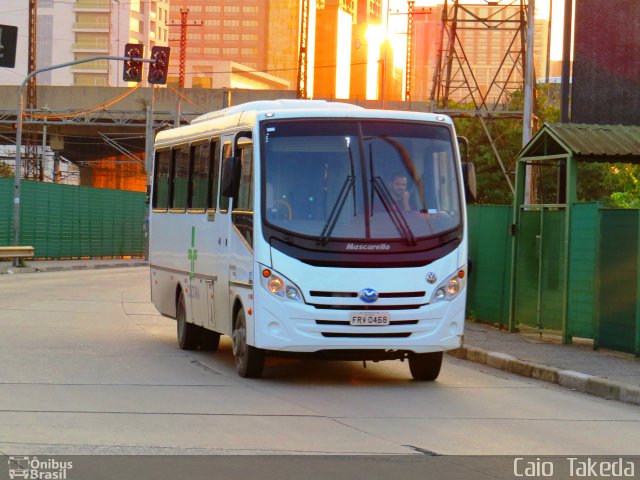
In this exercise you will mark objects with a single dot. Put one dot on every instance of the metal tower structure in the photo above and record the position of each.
(32, 167)
(184, 23)
(499, 28)
(409, 59)
(492, 25)
(303, 59)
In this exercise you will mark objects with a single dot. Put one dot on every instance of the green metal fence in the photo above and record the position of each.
(583, 265)
(541, 269)
(580, 280)
(64, 221)
(618, 315)
(490, 254)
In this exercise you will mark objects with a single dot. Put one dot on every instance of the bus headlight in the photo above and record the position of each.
(450, 288)
(279, 285)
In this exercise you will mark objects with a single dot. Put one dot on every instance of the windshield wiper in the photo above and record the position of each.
(347, 186)
(397, 217)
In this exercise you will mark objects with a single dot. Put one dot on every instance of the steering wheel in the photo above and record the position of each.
(281, 209)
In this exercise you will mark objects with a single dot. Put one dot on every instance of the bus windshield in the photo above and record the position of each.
(359, 180)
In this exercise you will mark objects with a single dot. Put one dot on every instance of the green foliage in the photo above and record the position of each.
(6, 170)
(615, 185)
(493, 187)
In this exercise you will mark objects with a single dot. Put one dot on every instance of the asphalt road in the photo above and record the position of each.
(87, 366)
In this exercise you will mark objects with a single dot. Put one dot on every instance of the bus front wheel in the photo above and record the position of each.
(249, 360)
(188, 333)
(425, 366)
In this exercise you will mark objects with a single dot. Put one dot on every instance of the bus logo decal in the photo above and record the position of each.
(432, 278)
(192, 253)
(368, 295)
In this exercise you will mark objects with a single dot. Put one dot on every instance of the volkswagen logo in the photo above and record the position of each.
(432, 278)
(368, 295)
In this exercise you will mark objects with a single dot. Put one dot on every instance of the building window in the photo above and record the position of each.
(230, 36)
(250, 23)
(249, 37)
(212, 8)
(212, 23)
(229, 51)
(250, 9)
(212, 51)
(232, 23)
(249, 51)
(212, 36)
(232, 9)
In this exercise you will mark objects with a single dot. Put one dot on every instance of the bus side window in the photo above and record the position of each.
(223, 201)
(200, 172)
(161, 180)
(214, 173)
(180, 176)
(244, 200)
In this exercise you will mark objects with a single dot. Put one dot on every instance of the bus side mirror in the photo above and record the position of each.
(230, 177)
(469, 178)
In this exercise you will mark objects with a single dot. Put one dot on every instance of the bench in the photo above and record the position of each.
(16, 252)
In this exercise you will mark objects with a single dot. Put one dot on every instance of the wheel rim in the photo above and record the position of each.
(181, 323)
(240, 343)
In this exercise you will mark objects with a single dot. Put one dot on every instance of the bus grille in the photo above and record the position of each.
(366, 335)
(319, 293)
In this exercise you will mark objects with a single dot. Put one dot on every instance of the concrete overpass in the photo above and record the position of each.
(102, 122)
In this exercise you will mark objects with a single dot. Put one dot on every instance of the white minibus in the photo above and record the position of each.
(311, 227)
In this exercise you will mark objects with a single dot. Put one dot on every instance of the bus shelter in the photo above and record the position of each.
(575, 265)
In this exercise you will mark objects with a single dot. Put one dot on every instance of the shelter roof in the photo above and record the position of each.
(586, 142)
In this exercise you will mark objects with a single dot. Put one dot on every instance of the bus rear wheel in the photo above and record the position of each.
(249, 360)
(188, 333)
(425, 366)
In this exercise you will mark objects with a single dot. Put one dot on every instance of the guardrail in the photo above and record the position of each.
(17, 252)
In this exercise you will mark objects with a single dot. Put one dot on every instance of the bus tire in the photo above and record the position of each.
(209, 340)
(249, 360)
(425, 366)
(188, 333)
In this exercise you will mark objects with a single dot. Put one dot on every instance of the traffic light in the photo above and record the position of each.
(132, 69)
(158, 70)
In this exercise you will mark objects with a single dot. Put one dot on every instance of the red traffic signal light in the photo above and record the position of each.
(158, 70)
(132, 69)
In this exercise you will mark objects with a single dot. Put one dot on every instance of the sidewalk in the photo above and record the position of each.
(34, 266)
(606, 374)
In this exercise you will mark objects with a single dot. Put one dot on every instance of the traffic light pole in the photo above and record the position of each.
(19, 114)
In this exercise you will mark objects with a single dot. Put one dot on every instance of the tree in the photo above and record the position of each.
(6, 170)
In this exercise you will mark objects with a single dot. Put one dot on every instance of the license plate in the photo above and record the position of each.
(369, 319)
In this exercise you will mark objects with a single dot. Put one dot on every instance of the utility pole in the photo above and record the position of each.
(528, 98)
(184, 23)
(565, 85)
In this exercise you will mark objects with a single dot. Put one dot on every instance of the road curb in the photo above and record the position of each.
(99, 266)
(581, 382)
(42, 267)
